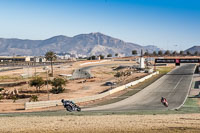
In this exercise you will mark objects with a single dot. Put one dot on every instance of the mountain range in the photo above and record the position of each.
(193, 49)
(82, 44)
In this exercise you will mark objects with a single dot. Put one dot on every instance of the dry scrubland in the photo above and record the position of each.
(188, 123)
(74, 88)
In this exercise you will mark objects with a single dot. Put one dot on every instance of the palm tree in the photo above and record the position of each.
(50, 56)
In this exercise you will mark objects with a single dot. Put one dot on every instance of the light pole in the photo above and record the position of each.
(47, 72)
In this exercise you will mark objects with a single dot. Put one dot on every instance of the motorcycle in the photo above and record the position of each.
(70, 106)
(164, 102)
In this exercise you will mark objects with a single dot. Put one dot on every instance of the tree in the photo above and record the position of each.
(174, 53)
(33, 98)
(146, 53)
(196, 53)
(50, 56)
(167, 53)
(57, 84)
(188, 53)
(109, 55)
(101, 56)
(160, 53)
(181, 53)
(154, 53)
(116, 54)
(134, 52)
(93, 57)
(37, 82)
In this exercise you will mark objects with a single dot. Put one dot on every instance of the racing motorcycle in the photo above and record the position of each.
(70, 105)
(164, 102)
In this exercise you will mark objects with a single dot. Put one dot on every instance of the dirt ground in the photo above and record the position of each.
(74, 88)
(179, 123)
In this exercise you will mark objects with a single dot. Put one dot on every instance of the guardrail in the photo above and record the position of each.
(43, 104)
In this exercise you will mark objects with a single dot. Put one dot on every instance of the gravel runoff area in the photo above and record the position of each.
(179, 123)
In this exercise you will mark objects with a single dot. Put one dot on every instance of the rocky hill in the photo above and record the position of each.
(84, 44)
(193, 49)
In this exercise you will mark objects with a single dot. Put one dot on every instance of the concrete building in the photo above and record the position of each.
(38, 59)
(14, 58)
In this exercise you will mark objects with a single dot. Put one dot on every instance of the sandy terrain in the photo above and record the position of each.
(74, 88)
(184, 123)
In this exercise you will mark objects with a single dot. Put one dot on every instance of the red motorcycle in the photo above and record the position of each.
(164, 102)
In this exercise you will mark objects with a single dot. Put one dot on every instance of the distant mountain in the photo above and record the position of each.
(193, 49)
(84, 44)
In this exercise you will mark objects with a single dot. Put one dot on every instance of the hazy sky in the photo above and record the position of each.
(168, 24)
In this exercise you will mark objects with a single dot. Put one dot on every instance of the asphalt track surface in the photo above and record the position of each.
(174, 86)
(86, 73)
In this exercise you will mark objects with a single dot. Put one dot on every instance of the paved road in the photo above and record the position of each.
(86, 73)
(174, 87)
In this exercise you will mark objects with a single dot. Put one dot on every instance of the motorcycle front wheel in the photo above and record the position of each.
(78, 109)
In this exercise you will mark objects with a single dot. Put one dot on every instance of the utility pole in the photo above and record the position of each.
(47, 85)
(35, 65)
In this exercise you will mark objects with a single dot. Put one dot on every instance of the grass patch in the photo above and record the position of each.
(2, 78)
(164, 70)
(190, 106)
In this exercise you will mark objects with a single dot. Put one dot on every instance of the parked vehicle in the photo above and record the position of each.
(109, 83)
(70, 105)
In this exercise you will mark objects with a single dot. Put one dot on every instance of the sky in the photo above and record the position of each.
(168, 24)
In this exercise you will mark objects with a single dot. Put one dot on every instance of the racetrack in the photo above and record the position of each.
(174, 87)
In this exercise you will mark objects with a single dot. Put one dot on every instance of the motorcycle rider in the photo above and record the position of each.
(163, 100)
(63, 101)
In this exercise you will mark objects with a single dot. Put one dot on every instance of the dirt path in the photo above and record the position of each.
(187, 123)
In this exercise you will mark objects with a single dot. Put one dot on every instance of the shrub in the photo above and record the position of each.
(57, 85)
(33, 98)
(37, 82)
(57, 90)
(1, 89)
(1, 97)
(14, 98)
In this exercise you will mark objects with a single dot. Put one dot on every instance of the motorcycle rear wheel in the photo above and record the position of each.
(69, 108)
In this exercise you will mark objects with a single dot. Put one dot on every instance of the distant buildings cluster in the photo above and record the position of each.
(22, 59)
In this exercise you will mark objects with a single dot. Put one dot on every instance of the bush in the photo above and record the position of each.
(1, 97)
(33, 98)
(37, 82)
(14, 98)
(1, 89)
(57, 90)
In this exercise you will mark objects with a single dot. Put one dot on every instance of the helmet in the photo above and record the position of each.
(62, 100)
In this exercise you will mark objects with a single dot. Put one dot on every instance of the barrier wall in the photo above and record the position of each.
(42, 104)
(94, 62)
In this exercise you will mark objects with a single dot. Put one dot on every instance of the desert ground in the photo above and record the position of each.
(179, 123)
(73, 88)
(165, 123)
